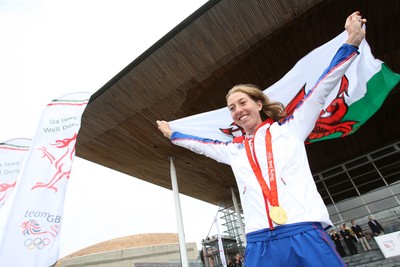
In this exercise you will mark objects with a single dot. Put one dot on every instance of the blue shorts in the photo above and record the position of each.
(300, 244)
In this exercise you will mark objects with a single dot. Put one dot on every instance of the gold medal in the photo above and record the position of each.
(278, 215)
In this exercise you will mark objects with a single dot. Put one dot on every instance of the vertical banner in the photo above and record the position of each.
(220, 244)
(32, 230)
(12, 155)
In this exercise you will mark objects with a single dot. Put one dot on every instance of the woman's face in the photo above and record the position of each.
(245, 111)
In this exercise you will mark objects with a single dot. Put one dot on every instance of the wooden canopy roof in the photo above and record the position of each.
(192, 67)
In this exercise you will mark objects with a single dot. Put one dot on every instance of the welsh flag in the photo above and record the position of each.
(361, 92)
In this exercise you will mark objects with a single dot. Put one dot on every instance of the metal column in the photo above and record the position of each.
(179, 221)
(239, 216)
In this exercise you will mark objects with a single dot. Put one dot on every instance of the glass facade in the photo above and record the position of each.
(366, 185)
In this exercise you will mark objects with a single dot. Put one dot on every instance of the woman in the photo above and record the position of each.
(285, 215)
(339, 246)
(237, 261)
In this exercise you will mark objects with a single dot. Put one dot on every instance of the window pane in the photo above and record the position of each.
(370, 186)
(323, 193)
(356, 162)
(344, 195)
(332, 171)
(376, 195)
(395, 188)
(383, 204)
(331, 209)
(390, 169)
(361, 170)
(382, 152)
(335, 218)
(343, 186)
(350, 203)
(336, 179)
(354, 213)
(390, 179)
(367, 178)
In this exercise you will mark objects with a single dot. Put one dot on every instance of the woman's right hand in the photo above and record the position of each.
(354, 27)
(163, 126)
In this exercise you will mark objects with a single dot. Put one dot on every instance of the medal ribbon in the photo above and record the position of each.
(270, 195)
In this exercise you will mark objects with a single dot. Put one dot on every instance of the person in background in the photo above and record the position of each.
(375, 226)
(338, 244)
(348, 240)
(285, 215)
(230, 262)
(360, 235)
(237, 262)
(352, 234)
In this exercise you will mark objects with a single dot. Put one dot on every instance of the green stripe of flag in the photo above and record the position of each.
(378, 88)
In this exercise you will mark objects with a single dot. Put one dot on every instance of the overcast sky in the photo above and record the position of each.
(50, 48)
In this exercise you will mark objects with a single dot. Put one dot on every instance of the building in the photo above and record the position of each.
(143, 250)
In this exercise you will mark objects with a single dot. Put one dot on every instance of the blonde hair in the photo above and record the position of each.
(273, 110)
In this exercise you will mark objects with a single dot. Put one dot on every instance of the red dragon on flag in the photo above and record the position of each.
(331, 118)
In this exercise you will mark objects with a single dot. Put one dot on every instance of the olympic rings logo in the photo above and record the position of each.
(36, 243)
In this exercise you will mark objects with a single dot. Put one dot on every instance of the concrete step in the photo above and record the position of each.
(370, 258)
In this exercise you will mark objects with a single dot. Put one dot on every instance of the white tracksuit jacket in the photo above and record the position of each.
(297, 192)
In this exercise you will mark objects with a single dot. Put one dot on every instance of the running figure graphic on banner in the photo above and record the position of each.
(62, 164)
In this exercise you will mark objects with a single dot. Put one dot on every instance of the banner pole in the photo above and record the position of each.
(181, 232)
(220, 243)
(239, 216)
